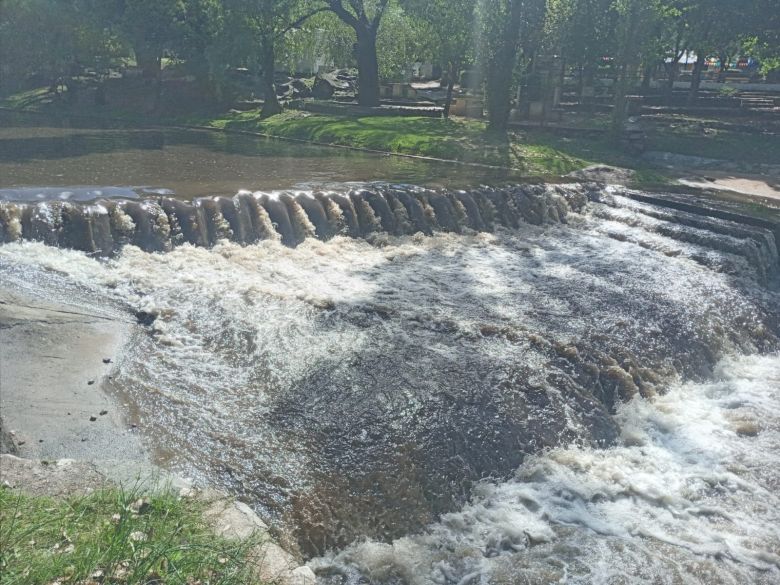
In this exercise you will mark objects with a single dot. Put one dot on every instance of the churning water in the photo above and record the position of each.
(544, 389)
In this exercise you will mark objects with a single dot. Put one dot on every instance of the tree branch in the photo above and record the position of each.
(379, 13)
(338, 9)
(298, 22)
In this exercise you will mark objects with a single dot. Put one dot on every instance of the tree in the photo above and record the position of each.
(506, 23)
(150, 28)
(635, 29)
(716, 28)
(253, 32)
(75, 38)
(364, 17)
(451, 23)
(582, 32)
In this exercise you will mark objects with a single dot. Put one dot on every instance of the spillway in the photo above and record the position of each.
(440, 386)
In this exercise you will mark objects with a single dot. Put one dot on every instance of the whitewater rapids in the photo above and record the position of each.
(689, 495)
(591, 401)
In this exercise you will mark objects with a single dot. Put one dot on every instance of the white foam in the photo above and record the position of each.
(687, 500)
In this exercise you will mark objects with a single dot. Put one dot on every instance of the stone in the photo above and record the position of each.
(300, 89)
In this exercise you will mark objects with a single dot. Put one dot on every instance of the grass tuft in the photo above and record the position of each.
(114, 537)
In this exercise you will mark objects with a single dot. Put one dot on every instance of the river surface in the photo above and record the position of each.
(593, 397)
(81, 161)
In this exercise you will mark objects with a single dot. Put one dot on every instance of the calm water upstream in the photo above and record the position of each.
(44, 160)
(528, 385)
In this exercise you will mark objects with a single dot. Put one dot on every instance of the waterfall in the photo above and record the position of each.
(162, 223)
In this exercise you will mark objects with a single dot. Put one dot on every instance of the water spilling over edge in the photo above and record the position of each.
(401, 368)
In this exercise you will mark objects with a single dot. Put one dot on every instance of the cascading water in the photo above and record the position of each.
(354, 363)
(162, 223)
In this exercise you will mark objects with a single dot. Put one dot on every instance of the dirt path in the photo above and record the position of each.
(745, 185)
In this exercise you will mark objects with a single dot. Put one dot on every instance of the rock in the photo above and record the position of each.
(604, 174)
(92, 418)
(106, 360)
(90, 382)
(145, 318)
(322, 90)
(302, 576)
(283, 90)
(103, 412)
(300, 89)
(140, 506)
(327, 84)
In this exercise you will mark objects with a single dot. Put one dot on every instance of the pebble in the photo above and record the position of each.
(106, 360)
(90, 382)
(92, 418)
(103, 412)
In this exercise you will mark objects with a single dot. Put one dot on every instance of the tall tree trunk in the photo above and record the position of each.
(672, 70)
(149, 60)
(452, 76)
(368, 66)
(724, 66)
(271, 105)
(626, 62)
(500, 72)
(693, 93)
(647, 76)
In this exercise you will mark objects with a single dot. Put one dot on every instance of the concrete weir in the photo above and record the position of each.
(159, 224)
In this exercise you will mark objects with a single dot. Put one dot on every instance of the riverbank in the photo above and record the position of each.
(73, 466)
(70, 521)
(56, 358)
(678, 145)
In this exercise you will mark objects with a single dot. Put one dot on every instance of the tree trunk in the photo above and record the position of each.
(724, 67)
(149, 61)
(647, 76)
(500, 72)
(452, 76)
(693, 93)
(672, 70)
(271, 105)
(626, 62)
(368, 66)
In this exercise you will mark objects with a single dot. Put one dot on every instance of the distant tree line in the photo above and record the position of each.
(500, 41)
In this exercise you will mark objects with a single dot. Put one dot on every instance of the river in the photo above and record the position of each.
(41, 158)
(588, 393)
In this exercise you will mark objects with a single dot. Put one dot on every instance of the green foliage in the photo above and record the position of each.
(449, 26)
(102, 537)
(46, 39)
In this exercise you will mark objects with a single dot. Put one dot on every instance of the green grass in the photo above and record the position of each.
(99, 538)
(532, 152)
(455, 139)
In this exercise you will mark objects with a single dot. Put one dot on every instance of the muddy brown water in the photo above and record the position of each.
(71, 160)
